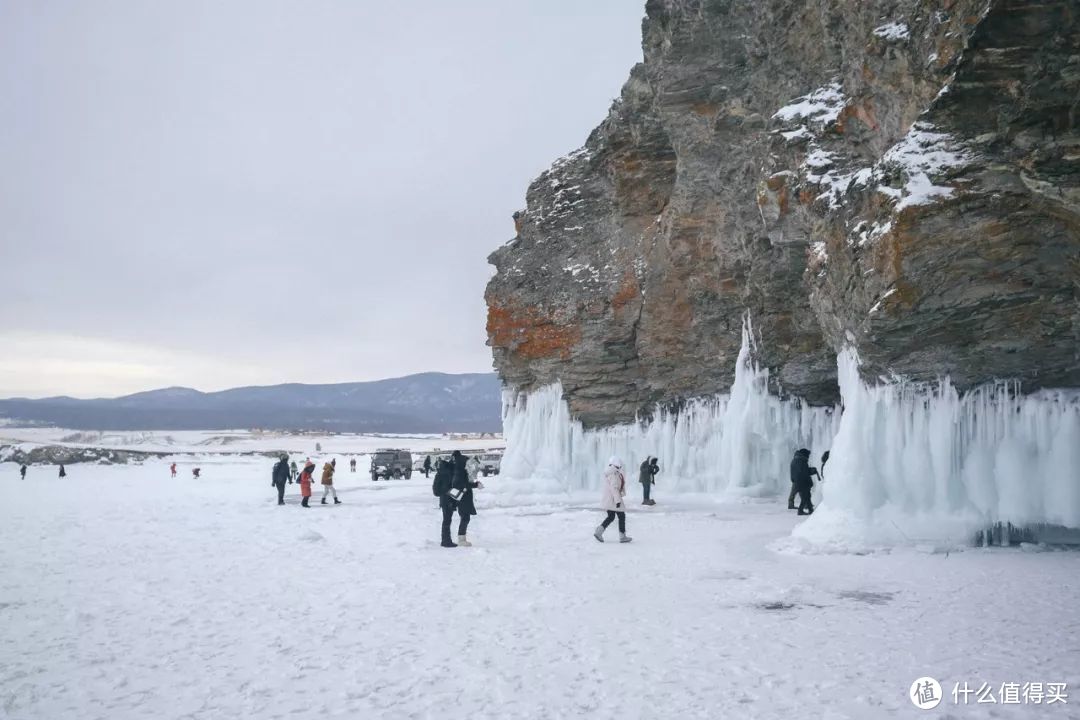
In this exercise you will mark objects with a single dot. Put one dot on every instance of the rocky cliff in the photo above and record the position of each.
(898, 176)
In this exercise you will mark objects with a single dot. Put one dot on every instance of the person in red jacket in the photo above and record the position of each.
(305, 482)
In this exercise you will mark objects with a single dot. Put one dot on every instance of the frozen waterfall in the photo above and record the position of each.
(920, 463)
(735, 444)
(909, 462)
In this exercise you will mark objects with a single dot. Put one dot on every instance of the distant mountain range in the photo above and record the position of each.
(424, 403)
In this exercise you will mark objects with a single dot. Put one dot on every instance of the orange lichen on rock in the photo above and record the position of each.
(529, 333)
(862, 112)
(628, 290)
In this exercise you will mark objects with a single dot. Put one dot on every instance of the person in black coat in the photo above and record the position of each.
(427, 465)
(466, 507)
(441, 487)
(802, 480)
(647, 476)
(280, 477)
(22, 473)
(63, 472)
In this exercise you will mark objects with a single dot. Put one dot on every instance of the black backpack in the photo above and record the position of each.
(443, 480)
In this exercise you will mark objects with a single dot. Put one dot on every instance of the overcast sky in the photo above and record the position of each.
(214, 194)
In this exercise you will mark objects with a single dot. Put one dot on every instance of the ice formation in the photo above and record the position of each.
(908, 463)
(735, 444)
(924, 463)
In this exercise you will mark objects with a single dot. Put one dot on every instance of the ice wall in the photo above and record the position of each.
(924, 463)
(735, 444)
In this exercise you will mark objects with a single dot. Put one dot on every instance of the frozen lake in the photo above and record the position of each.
(128, 594)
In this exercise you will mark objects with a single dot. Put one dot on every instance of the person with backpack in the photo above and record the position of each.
(465, 471)
(611, 500)
(328, 481)
(441, 488)
(802, 481)
(279, 477)
(647, 476)
(305, 483)
(22, 472)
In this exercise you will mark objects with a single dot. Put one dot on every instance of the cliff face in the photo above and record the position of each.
(902, 177)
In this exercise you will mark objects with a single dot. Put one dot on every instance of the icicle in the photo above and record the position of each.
(923, 463)
(738, 444)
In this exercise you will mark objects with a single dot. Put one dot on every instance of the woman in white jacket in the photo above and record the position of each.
(612, 500)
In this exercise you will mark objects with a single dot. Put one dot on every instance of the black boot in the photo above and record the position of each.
(304, 502)
(324, 501)
(447, 542)
(336, 501)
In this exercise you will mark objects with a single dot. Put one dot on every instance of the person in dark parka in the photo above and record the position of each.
(63, 472)
(427, 466)
(647, 476)
(280, 477)
(22, 472)
(466, 507)
(441, 487)
(802, 480)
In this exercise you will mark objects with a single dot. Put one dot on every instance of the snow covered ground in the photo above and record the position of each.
(127, 594)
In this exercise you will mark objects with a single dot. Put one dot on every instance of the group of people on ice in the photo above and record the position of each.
(285, 472)
(22, 471)
(456, 478)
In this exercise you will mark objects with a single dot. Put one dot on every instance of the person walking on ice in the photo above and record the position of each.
(292, 472)
(305, 483)
(22, 472)
(279, 476)
(63, 472)
(172, 469)
(328, 481)
(611, 499)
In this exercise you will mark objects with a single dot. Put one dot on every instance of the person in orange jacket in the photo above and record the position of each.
(305, 482)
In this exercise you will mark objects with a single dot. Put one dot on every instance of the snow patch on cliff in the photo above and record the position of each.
(893, 31)
(920, 156)
(822, 106)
